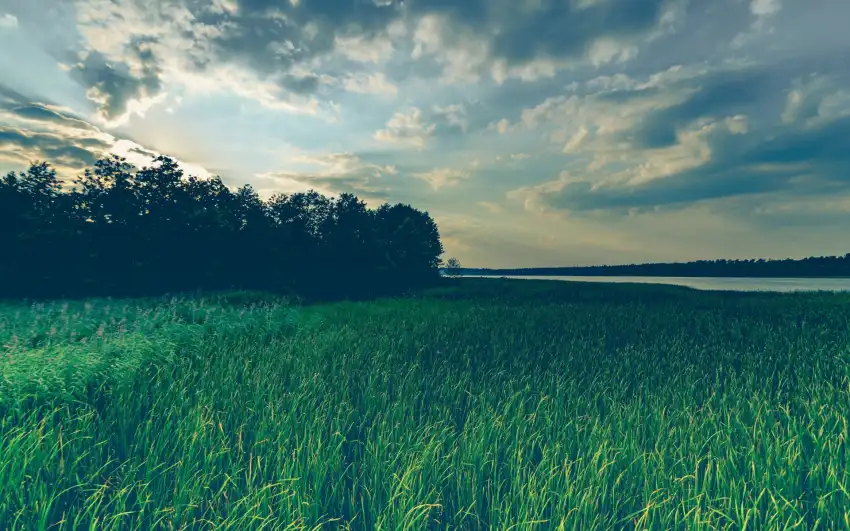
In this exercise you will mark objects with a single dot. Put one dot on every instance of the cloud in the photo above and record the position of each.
(675, 139)
(8, 21)
(42, 113)
(407, 129)
(134, 50)
(39, 131)
(501, 126)
(798, 163)
(504, 37)
(453, 115)
(493, 208)
(27, 146)
(16, 107)
(765, 8)
(762, 11)
(440, 177)
(816, 99)
(369, 84)
(725, 93)
(121, 88)
(364, 49)
(330, 173)
(595, 122)
(128, 54)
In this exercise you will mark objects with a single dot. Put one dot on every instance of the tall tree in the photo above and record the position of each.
(124, 230)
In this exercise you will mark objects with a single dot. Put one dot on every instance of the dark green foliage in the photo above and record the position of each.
(128, 231)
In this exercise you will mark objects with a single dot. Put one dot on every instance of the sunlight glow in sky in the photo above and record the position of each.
(536, 132)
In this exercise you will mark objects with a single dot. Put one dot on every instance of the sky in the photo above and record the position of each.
(535, 132)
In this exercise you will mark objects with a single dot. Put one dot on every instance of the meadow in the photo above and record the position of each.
(481, 404)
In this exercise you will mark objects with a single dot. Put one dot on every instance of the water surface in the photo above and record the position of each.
(714, 283)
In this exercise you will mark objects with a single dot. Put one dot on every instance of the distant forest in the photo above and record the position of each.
(820, 266)
(122, 230)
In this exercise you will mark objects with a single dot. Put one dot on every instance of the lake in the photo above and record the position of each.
(712, 283)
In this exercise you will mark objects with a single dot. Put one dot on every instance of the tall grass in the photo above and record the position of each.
(485, 405)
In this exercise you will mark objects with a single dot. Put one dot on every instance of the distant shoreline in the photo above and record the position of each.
(648, 275)
(813, 267)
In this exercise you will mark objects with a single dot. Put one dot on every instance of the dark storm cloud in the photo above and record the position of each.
(808, 162)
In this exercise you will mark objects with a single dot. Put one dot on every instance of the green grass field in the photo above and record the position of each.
(484, 404)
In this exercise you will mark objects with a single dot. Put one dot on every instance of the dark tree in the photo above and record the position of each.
(123, 230)
(453, 267)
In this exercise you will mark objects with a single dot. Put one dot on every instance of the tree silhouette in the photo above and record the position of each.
(453, 267)
(814, 266)
(124, 230)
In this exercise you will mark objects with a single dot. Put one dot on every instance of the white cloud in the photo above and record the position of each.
(835, 105)
(140, 156)
(178, 43)
(493, 208)
(229, 7)
(340, 165)
(793, 102)
(407, 128)
(52, 133)
(534, 70)
(225, 78)
(765, 8)
(454, 115)
(329, 174)
(577, 118)
(8, 21)
(550, 109)
(369, 84)
(816, 100)
(738, 124)
(466, 58)
(763, 11)
(365, 50)
(576, 140)
(440, 177)
(605, 51)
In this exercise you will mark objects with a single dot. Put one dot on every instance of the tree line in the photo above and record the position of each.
(815, 266)
(123, 230)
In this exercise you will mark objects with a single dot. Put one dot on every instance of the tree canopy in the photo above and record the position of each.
(122, 230)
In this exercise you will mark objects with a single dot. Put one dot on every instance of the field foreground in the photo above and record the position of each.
(485, 404)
